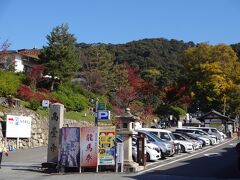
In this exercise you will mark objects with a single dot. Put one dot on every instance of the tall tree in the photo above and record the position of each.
(99, 72)
(60, 57)
(211, 72)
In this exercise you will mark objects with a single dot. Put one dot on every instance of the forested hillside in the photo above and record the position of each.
(155, 78)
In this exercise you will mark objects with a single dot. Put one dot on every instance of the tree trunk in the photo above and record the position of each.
(52, 85)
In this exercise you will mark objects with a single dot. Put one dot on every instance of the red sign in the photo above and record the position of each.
(89, 146)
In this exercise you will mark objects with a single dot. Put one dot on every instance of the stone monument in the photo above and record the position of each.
(127, 131)
(56, 118)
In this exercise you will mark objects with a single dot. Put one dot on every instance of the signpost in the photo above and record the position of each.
(18, 127)
(106, 155)
(45, 103)
(89, 147)
(103, 115)
(120, 156)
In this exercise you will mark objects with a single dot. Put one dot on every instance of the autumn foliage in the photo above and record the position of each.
(26, 93)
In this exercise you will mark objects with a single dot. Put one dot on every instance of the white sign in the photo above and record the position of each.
(119, 153)
(18, 126)
(45, 103)
(103, 115)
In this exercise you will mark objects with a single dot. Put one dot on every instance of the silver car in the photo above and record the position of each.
(166, 148)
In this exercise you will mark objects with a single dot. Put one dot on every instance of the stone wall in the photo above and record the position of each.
(39, 131)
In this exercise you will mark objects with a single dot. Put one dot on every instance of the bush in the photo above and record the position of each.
(34, 104)
(10, 82)
(178, 111)
(72, 101)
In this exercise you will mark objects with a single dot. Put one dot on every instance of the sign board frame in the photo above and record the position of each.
(18, 126)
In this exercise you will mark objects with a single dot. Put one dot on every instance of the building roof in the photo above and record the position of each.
(213, 115)
(33, 53)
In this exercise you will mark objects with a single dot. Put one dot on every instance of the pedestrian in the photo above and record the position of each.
(3, 149)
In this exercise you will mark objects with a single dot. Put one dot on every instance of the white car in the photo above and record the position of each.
(206, 140)
(224, 136)
(199, 133)
(186, 144)
(152, 150)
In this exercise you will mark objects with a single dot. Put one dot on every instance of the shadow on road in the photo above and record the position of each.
(224, 167)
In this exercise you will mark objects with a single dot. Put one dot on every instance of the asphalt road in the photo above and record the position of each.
(214, 162)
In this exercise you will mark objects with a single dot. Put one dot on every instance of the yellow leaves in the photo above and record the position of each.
(219, 84)
(192, 94)
(212, 68)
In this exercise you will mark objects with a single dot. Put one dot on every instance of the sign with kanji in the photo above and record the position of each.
(55, 124)
(18, 126)
(89, 146)
(106, 152)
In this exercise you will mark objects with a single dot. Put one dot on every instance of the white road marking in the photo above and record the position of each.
(147, 170)
(213, 154)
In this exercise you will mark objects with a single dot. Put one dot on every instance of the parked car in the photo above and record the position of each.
(165, 135)
(203, 142)
(166, 148)
(190, 144)
(153, 153)
(212, 131)
(199, 133)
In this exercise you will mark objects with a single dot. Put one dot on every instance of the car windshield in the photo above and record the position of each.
(214, 130)
(201, 132)
(155, 137)
(171, 134)
(165, 136)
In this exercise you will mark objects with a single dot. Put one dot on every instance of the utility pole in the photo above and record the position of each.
(96, 112)
(224, 106)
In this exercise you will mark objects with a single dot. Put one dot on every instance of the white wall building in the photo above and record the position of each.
(21, 60)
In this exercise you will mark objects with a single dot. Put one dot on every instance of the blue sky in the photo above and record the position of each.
(25, 23)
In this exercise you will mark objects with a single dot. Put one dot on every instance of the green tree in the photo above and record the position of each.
(210, 72)
(60, 57)
(100, 73)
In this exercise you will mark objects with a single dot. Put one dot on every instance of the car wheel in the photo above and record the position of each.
(148, 157)
(182, 149)
(162, 155)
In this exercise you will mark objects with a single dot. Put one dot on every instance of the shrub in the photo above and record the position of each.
(10, 82)
(71, 100)
(178, 111)
(34, 104)
(25, 92)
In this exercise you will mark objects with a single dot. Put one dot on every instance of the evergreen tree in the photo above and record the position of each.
(60, 57)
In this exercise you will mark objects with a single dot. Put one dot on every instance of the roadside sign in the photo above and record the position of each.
(101, 106)
(45, 103)
(18, 126)
(103, 115)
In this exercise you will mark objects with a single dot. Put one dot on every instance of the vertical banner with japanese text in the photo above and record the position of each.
(69, 151)
(106, 153)
(89, 146)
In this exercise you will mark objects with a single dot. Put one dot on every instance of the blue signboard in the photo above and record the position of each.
(103, 115)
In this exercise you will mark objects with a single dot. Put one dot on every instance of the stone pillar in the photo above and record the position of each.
(56, 119)
(127, 131)
(127, 142)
